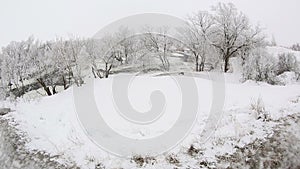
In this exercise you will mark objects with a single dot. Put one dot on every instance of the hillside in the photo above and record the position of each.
(239, 126)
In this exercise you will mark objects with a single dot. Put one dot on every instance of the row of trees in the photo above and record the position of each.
(30, 64)
(208, 38)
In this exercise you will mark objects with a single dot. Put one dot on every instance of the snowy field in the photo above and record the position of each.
(51, 123)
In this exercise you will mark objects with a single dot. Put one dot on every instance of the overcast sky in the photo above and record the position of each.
(47, 20)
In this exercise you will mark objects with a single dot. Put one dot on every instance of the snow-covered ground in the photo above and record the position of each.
(253, 114)
(51, 123)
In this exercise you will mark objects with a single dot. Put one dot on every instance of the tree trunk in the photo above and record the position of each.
(42, 83)
(54, 89)
(107, 70)
(226, 64)
(22, 86)
(126, 58)
(64, 82)
(93, 71)
(197, 64)
(201, 67)
(70, 75)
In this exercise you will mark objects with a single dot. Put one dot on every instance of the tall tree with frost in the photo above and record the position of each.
(232, 32)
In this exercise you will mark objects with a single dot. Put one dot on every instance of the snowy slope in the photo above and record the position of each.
(51, 122)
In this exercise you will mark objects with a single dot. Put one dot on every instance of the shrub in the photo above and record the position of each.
(142, 161)
(172, 159)
(99, 166)
(258, 107)
(260, 66)
(193, 151)
(287, 62)
(296, 47)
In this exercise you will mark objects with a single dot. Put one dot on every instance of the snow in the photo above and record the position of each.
(51, 122)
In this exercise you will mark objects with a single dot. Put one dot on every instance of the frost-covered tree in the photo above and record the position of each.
(15, 65)
(102, 55)
(126, 44)
(260, 66)
(75, 52)
(43, 67)
(141, 57)
(109, 54)
(156, 41)
(232, 32)
(71, 54)
(31, 64)
(64, 63)
(196, 35)
(93, 52)
(287, 62)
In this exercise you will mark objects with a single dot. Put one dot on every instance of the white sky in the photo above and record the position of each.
(54, 18)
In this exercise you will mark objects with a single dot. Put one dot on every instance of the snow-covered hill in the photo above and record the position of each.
(51, 123)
